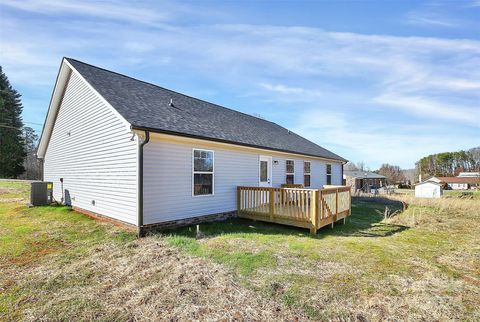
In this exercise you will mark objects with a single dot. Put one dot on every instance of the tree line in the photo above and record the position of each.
(449, 164)
(17, 142)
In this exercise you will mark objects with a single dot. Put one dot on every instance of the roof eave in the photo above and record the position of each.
(193, 136)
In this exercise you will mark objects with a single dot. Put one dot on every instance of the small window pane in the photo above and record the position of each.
(290, 166)
(263, 171)
(306, 180)
(289, 179)
(306, 167)
(329, 169)
(202, 184)
(329, 179)
(203, 161)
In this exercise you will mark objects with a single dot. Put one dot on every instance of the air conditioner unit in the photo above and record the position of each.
(41, 193)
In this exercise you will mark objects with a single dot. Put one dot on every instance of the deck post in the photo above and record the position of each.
(314, 212)
(336, 203)
(238, 200)
(271, 203)
(320, 205)
(350, 201)
(334, 219)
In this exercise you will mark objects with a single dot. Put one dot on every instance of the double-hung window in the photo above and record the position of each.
(203, 164)
(306, 173)
(329, 174)
(290, 172)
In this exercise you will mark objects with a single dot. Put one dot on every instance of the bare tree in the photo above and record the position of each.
(362, 167)
(350, 166)
(393, 173)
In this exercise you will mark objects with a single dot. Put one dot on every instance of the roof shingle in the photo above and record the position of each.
(147, 106)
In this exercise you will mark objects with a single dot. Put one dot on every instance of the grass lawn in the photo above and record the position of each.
(468, 194)
(421, 264)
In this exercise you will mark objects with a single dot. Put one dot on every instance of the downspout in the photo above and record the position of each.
(141, 233)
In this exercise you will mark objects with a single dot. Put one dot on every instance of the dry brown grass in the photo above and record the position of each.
(141, 280)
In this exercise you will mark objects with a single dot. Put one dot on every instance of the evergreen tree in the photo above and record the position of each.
(448, 164)
(12, 142)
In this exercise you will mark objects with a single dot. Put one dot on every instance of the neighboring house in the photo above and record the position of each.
(428, 189)
(458, 183)
(469, 174)
(145, 155)
(363, 181)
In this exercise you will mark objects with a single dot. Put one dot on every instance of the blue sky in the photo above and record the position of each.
(386, 81)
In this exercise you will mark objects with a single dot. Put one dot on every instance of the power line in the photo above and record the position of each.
(33, 123)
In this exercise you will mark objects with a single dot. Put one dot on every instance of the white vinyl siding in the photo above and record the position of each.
(337, 179)
(168, 178)
(278, 172)
(91, 149)
(298, 171)
(168, 181)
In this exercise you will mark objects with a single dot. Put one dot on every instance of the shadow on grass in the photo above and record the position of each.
(365, 221)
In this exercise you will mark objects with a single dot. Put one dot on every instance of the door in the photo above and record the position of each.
(265, 171)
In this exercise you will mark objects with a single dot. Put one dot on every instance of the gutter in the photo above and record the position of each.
(141, 232)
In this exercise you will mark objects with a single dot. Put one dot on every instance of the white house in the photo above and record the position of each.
(428, 189)
(458, 183)
(469, 175)
(144, 155)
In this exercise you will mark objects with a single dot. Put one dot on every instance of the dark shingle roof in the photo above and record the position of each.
(147, 106)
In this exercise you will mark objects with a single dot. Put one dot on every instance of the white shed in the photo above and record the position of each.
(428, 189)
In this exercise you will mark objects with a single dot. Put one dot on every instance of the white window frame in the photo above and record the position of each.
(202, 172)
(328, 174)
(289, 173)
(307, 173)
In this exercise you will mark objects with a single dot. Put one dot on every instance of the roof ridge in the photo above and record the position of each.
(173, 91)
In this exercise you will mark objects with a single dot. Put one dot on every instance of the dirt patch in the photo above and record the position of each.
(146, 280)
(11, 199)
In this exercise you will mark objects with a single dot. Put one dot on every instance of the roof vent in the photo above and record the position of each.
(171, 102)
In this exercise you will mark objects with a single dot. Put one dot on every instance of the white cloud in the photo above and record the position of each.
(432, 109)
(101, 9)
(296, 92)
(417, 18)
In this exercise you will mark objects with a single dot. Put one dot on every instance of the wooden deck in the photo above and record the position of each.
(307, 208)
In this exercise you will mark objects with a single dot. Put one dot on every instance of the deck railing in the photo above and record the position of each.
(308, 208)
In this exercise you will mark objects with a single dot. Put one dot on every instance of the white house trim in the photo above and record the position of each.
(203, 172)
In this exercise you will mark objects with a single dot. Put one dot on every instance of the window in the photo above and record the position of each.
(329, 174)
(263, 171)
(290, 172)
(306, 173)
(202, 172)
